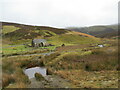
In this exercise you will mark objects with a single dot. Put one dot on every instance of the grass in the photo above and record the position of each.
(46, 33)
(26, 33)
(94, 60)
(29, 32)
(81, 34)
(71, 39)
(51, 48)
(49, 71)
(89, 58)
(70, 62)
(108, 31)
(39, 77)
(14, 49)
(23, 50)
(7, 79)
(13, 70)
(7, 29)
(80, 60)
(95, 79)
(50, 57)
(92, 68)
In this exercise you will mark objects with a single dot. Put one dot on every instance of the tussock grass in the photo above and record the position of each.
(95, 79)
(92, 60)
(50, 71)
(39, 77)
(13, 74)
(17, 85)
(102, 60)
(7, 79)
(50, 57)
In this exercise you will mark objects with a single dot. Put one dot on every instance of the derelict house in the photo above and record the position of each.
(38, 42)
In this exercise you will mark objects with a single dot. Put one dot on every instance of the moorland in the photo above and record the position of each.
(77, 60)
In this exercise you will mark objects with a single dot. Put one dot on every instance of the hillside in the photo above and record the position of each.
(70, 59)
(15, 33)
(98, 31)
(17, 37)
(28, 31)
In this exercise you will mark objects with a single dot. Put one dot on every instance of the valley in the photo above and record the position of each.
(72, 59)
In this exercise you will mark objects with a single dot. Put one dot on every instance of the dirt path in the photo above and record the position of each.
(51, 81)
(48, 53)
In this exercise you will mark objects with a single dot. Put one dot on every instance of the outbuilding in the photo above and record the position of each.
(38, 42)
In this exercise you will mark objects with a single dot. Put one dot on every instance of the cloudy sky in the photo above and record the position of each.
(60, 13)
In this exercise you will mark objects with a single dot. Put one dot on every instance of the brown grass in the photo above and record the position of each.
(100, 59)
(13, 71)
(84, 79)
(6, 79)
(82, 34)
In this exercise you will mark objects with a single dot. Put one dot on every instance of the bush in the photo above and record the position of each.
(39, 77)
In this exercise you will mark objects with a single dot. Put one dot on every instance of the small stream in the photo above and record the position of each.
(30, 72)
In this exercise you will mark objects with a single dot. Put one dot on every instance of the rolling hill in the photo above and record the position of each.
(98, 31)
(14, 33)
(68, 59)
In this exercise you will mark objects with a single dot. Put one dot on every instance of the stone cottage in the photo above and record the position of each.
(38, 42)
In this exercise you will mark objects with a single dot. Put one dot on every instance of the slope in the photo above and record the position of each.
(19, 33)
(98, 31)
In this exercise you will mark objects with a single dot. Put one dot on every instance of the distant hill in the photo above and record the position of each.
(98, 31)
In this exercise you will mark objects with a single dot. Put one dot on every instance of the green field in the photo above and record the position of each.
(71, 39)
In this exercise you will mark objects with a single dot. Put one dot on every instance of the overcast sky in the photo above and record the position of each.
(60, 13)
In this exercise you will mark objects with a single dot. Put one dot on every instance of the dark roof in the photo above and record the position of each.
(39, 40)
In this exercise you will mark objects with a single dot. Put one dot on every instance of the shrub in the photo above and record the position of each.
(39, 77)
